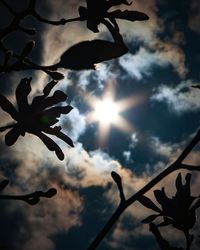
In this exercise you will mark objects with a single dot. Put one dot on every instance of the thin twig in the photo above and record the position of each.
(122, 207)
(32, 198)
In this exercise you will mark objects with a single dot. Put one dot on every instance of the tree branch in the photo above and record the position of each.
(122, 207)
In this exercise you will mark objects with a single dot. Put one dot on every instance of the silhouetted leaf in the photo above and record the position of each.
(150, 218)
(86, 54)
(145, 201)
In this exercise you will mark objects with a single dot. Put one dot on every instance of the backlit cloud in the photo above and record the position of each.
(182, 98)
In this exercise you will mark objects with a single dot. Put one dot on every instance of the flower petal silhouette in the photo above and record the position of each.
(12, 136)
(22, 91)
(145, 201)
(8, 107)
(180, 210)
(37, 117)
(51, 145)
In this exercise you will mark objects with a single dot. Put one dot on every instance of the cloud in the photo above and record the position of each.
(158, 51)
(87, 78)
(145, 31)
(180, 99)
(127, 155)
(170, 52)
(41, 222)
(38, 169)
(134, 140)
(74, 124)
(141, 63)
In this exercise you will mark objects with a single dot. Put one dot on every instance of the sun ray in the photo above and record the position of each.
(106, 111)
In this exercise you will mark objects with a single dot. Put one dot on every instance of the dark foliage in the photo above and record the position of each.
(97, 10)
(180, 210)
(183, 192)
(38, 117)
(86, 54)
(83, 55)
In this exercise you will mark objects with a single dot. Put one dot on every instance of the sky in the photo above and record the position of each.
(158, 116)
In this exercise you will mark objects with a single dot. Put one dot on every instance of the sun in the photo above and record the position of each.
(107, 112)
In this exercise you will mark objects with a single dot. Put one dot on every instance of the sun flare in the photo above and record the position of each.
(106, 111)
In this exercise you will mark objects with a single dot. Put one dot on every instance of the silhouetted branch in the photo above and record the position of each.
(98, 50)
(31, 199)
(122, 207)
(23, 62)
(97, 11)
(190, 167)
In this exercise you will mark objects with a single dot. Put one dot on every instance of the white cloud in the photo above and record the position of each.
(74, 124)
(141, 63)
(127, 155)
(99, 76)
(179, 99)
(134, 140)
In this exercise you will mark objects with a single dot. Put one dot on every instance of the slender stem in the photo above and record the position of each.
(59, 22)
(189, 239)
(122, 207)
(12, 197)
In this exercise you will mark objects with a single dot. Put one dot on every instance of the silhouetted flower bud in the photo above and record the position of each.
(50, 193)
(116, 177)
